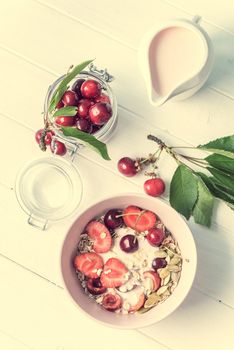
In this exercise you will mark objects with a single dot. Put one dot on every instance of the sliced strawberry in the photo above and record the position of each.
(88, 264)
(112, 302)
(100, 235)
(139, 219)
(113, 274)
(154, 278)
(139, 304)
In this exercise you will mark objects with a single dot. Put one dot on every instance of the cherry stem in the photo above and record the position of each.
(170, 150)
(150, 157)
(128, 214)
(199, 160)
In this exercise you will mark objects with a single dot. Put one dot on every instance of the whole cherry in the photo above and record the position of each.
(65, 120)
(70, 98)
(83, 107)
(100, 113)
(48, 137)
(154, 187)
(58, 148)
(113, 219)
(102, 98)
(155, 236)
(129, 243)
(159, 263)
(84, 125)
(127, 167)
(60, 104)
(95, 287)
(76, 87)
(90, 89)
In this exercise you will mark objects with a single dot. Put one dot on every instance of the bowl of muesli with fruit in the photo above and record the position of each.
(128, 261)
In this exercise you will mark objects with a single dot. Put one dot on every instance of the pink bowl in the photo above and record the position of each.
(172, 220)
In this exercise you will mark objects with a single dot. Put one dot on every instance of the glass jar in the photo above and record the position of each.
(48, 189)
(106, 131)
(37, 183)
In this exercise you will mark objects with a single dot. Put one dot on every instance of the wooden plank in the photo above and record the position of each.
(198, 323)
(112, 20)
(43, 316)
(8, 342)
(219, 14)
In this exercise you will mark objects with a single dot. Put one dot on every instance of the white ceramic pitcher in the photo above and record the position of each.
(192, 47)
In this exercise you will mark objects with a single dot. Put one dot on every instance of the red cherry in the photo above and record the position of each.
(58, 148)
(95, 287)
(155, 236)
(126, 166)
(70, 98)
(102, 98)
(90, 89)
(100, 113)
(84, 125)
(60, 104)
(76, 87)
(65, 120)
(159, 263)
(112, 302)
(154, 187)
(83, 107)
(48, 137)
(95, 128)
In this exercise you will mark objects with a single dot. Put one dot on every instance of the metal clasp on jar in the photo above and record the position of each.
(101, 73)
(72, 147)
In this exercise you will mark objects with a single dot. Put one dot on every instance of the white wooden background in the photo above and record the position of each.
(39, 39)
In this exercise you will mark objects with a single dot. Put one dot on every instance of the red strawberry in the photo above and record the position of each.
(112, 302)
(155, 279)
(100, 235)
(138, 219)
(88, 264)
(139, 304)
(113, 274)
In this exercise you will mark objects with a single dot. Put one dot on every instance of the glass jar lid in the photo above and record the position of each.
(48, 189)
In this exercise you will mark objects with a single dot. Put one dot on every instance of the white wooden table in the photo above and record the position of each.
(38, 41)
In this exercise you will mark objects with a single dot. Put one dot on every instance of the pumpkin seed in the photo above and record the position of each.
(174, 268)
(168, 259)
(161, 290)
(152, 300)
(167, 240)
(175, 260)
(175, 277)
(166, 280)
(165, 295)
(164, 273)
(160, 254)
(143, 310)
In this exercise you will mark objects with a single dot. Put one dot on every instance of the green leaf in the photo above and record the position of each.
(57, 97)
(97, 145)
(216, 190)
(223, 146)
(230, 205)
(68, 111)
(222, 178)
(203, 209)
(221, 162)
(64, 83)
(183, 191)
